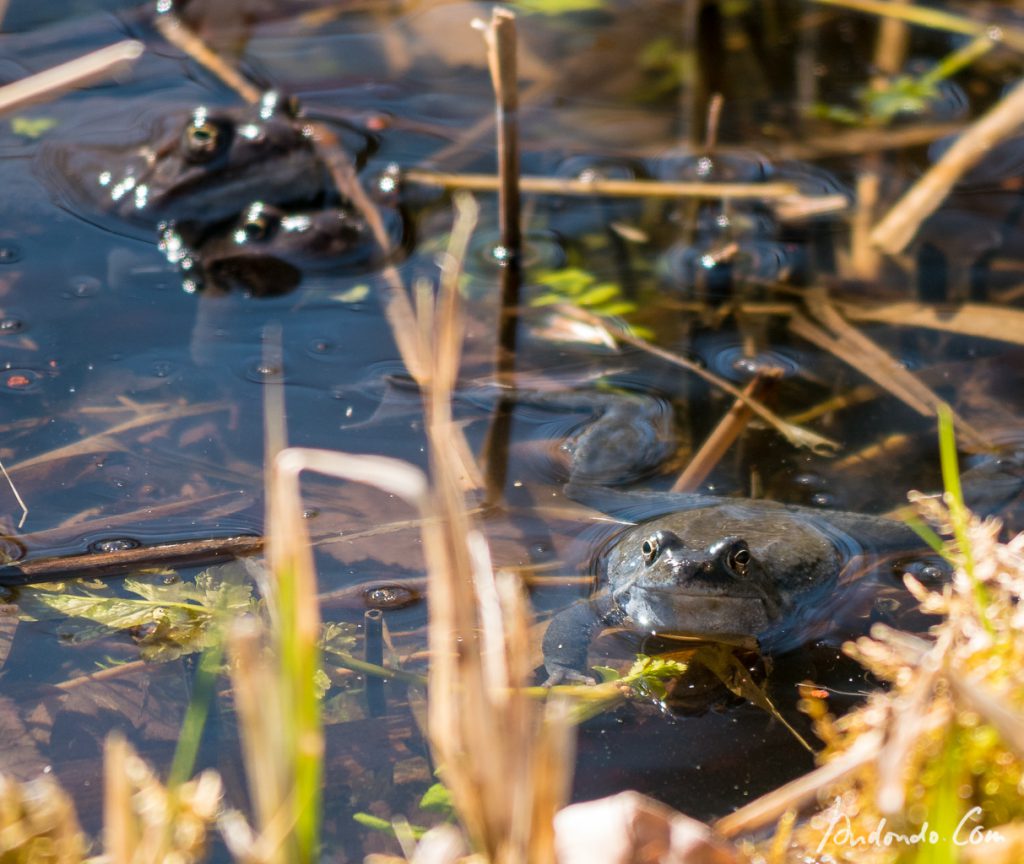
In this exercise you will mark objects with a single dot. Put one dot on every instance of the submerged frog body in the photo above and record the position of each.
(629, 436)
(721, 569)
(267, 251)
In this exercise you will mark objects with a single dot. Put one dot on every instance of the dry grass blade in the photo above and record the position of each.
(38, 823)
(1000, 323)
(996, 710)
(796, 435)
(853, 347)
(104, 441)
(148, 823)
(900, 224)
(798, 793)
(263, 740)
(184, 39)
(75, 73)
(397, 308)
(476, 676)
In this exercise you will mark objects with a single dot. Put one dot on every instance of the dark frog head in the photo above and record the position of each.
(730, 569)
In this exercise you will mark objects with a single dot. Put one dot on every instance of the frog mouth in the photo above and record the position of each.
(670, 591)
(666, 610)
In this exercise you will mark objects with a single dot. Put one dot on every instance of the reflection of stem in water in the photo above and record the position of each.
(501, 57)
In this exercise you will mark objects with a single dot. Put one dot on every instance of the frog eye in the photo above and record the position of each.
(202, 140)
(649, 549)
(739, 558)
(256, 227)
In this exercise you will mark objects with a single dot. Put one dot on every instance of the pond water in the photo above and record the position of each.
(132, 390)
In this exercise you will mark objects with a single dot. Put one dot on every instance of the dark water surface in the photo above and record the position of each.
(132, 409)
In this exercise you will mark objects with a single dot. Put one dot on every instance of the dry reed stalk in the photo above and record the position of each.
(900, 224)
(796, 435)
(187, 41)
(607, 187)
(891, 44)
(79, 72)
(477, 640)
(729, 428)
(406, 329)
(864, 258)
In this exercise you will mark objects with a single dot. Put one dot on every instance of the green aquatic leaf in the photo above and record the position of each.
(606, 674)
(375, 823)
(598, 295)
(568, 281)
(32, 127)
(901, 95)
(559, 7)
(438, 799)
(167, 618)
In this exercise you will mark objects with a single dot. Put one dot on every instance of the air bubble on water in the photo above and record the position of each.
(114, 544)
(85, 286)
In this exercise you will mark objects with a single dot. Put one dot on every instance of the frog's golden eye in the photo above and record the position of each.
(649, 549)
(739, 559)
(256, 227)
(202, 140)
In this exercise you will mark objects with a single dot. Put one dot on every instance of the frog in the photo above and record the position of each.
(208, 166)
(747, 572)
(628, 437)
(267, 251)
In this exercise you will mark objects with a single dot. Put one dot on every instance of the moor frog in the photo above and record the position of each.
(267, 251)
(206, 167)
(722, 569)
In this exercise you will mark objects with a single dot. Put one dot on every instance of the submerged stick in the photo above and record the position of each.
(726, 432)
(67, 76)
(900, 224)
(500, 35)
(94, 565)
